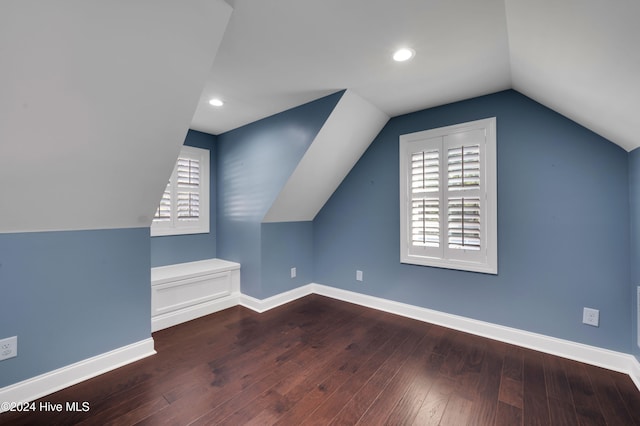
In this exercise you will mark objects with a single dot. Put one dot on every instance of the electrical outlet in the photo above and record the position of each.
(8, 348)
(358, 275)
(293, 272)
(591, 316)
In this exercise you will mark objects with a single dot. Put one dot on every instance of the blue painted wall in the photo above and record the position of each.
(284, 246)
(563, 227)
(72, 295)
(253, 164)
(167, 250)
(634, 202)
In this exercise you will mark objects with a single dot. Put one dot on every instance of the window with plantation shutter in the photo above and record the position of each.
(448, 197)
(184, 206)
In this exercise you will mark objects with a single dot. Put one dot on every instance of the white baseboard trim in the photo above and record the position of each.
(47, 383)
(634, 372)
(277, 300)
(189, 313)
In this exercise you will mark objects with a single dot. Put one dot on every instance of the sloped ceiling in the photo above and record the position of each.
(582, 59)
(579, 57)
(96, 98)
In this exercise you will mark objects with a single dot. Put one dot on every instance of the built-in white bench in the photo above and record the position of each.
(186, 291)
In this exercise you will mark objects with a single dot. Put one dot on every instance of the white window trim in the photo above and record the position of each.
(487, 262)
(200, 226)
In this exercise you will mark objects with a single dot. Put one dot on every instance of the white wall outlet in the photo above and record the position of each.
(293, 272)
(591, 316)
(358, 275)
(8, 348)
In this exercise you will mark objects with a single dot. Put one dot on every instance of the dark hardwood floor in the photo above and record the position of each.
(321, 361)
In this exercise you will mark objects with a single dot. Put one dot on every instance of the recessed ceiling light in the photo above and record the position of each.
(216, 102)
(403, 54)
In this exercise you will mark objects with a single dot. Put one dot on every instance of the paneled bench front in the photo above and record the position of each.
(186, 291)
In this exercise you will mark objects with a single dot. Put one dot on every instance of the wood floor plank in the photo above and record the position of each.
(562, 412)
(256, 373)
(457, 412)
(360, 401)
(511, 386)
(630, 395)
(433, 406)
(612, 406)
(586, 403)
(325, 411)
(276, 407)
(453, 352)
(243, 377)
(535, 404)
(313, 393)
(473, 359)
(322, 361)
(556, 379)
(396, 387)
(425, 376)
(513, 362)
(508, 415)
(130, 415)
(511, 392)
(488, 390)
(351, 335)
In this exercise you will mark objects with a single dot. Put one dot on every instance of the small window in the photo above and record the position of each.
(448, 197)
(184, 207)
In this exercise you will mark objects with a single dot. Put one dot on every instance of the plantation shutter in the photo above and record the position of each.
(463, 192)
(184, 206)
(425, 198)
(423, 206)
(188, 189)
(445, 217)
(448, 197)
(463, 217)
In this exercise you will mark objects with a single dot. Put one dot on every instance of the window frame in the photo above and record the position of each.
(442, 139)
(174, 226)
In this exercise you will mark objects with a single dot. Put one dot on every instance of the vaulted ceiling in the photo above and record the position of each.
(578, 57)
(96, 97)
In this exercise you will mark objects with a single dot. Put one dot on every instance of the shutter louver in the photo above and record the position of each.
(463, 223)
(163, 213)
(188, 197)
(425, 222)
(463, 217)
(188, 205)
(463, 164)
(425, 211)
(188, 172)
(425, 171)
